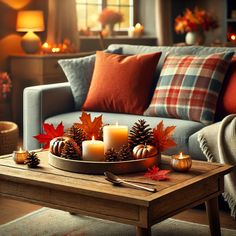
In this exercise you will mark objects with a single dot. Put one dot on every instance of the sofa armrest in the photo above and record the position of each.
(40, 102)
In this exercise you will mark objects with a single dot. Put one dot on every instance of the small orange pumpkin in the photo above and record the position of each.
(144, 151)
(57, 144)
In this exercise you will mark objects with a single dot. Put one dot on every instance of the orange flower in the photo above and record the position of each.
(109, 16)
(5, 85)
(195, 20)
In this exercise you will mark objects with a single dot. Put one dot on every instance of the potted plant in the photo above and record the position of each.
(195, 23)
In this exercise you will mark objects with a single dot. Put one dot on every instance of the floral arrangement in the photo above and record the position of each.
(109, 16)
(196, 20)
(5, 85)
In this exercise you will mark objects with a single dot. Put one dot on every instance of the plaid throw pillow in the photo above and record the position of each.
(189, 86)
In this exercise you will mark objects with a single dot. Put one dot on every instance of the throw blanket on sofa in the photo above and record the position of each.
(218, 143)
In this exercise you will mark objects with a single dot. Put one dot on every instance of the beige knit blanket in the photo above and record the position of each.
(218, 143)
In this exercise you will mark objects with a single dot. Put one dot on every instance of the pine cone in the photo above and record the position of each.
(77, 134)
(111, 155)
(32, 160)
(140, 133)
(125, 153)
(71, 150)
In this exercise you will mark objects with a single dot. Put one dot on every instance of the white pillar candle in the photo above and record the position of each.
(115, 136)
(93, 150)
(131, 31)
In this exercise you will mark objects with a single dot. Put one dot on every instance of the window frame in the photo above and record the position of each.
(120, 31)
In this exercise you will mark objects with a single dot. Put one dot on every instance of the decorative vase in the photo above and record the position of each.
(195, 38)
(110, 29)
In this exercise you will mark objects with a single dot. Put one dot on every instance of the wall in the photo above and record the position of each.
(9, 38)
(217, 9)
(146, 16)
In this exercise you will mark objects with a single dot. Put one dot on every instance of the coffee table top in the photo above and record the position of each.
(96, 185)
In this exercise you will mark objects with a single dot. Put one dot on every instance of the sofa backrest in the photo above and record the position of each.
(191, 50)
(185, 50)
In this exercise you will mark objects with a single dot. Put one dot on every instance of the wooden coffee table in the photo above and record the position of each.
(94, 196)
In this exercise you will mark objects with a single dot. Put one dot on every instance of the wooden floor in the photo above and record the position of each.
(11, 209)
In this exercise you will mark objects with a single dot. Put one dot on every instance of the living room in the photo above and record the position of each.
(45, 44)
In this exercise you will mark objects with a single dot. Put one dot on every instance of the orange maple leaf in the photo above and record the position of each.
(155, 173)
(50, 133)
(163, 136)
(91, 128)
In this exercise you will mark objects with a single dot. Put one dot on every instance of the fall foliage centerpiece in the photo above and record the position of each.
(195, 22)
(143, 141)
(109, 17)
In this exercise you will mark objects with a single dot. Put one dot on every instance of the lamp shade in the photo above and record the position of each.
(30, 21)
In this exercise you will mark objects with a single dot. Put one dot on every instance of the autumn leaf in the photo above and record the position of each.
(155, 173)
(50, 133)
(91, 128)
(163, 137)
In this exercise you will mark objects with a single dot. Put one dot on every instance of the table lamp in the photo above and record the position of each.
(30, 22)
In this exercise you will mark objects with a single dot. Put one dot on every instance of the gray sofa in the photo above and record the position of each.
(55, 103)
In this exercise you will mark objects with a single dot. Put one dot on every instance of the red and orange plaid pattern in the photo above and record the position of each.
(189, 86)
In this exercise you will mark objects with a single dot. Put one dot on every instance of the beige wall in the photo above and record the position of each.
(9, 38)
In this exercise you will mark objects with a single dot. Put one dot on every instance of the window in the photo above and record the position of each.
(88, 11)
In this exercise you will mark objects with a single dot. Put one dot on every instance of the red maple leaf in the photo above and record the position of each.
(155, 173)
(163, 137)
(91, 128)
(50, 133)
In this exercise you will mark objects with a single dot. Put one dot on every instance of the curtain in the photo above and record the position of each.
(164, 27)
(62, 22)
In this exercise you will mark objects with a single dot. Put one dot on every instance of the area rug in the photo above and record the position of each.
(48, 222)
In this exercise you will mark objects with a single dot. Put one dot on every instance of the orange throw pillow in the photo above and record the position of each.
(121, 83)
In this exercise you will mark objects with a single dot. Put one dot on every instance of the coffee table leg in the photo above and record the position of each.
(143, 231)
(213, 216)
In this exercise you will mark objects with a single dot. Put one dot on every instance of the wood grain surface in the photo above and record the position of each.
(93, 195)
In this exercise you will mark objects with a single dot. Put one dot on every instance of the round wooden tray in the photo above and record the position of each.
(99, 167)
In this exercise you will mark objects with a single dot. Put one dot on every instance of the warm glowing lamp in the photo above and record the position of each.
(30, 22)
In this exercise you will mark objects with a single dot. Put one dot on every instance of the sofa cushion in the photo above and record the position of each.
(189, 86)
(227, 100)
(121, 83)
(183, 130)
(79, 73)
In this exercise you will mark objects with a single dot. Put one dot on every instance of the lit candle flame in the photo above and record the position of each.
(116, 123)
(138, 25)
(55, 49)
(20, 149)
(45, 45)
(93, 139)
(181, 156)
(233, 37)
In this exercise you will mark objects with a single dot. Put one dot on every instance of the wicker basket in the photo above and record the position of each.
(9, 134)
